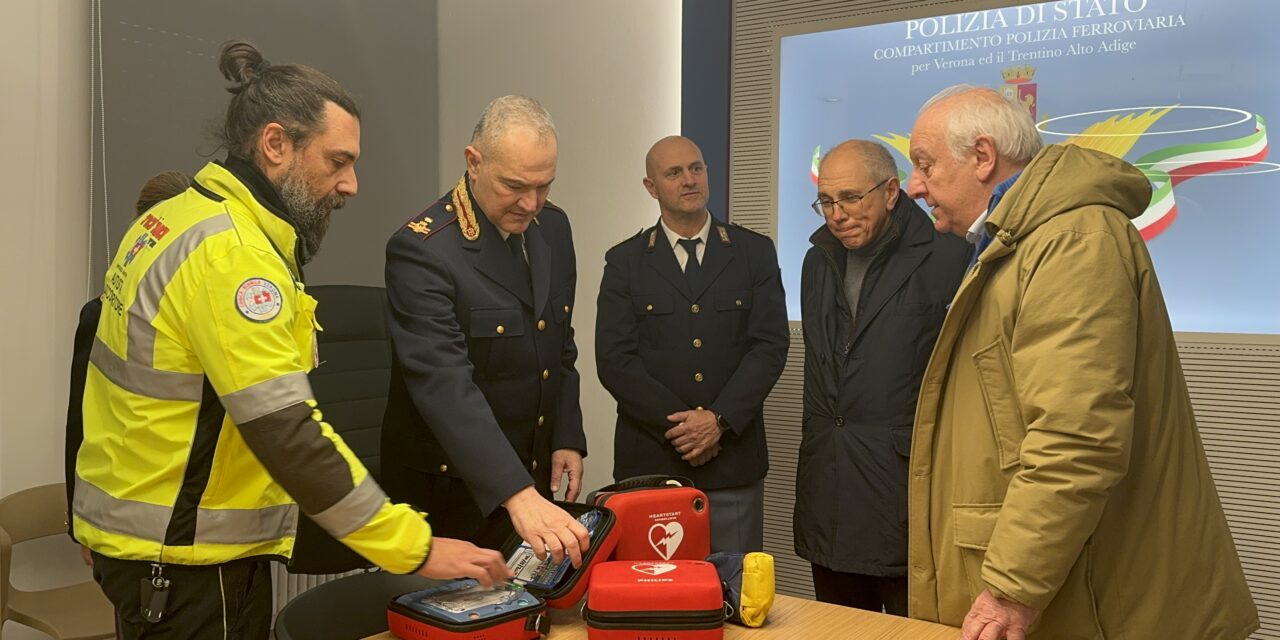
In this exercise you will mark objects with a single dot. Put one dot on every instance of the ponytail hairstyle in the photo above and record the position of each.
(292, 95)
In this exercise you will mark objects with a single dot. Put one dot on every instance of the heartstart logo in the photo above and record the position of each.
(665, 538)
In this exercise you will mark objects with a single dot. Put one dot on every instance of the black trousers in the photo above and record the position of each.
(231, 600)
(873, 593)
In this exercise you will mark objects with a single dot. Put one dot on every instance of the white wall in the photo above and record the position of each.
(43, 173)
(609, 73)
(44, 122)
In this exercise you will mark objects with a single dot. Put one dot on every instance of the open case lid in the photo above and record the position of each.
(571, 586)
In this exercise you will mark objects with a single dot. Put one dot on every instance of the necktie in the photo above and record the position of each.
(691, 266)
(515, 242)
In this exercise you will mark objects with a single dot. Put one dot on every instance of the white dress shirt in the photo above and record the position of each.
(682, 256)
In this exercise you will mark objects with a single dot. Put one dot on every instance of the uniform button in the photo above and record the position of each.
(542, 324)
(448, 208)
(697, 343)
(567, 308)
(542, 420)
(695, 308)
(737, 302)
(534, 466)
(444, 468)
(501, 329)
(546, 373)
(648, 307)
(697, 377)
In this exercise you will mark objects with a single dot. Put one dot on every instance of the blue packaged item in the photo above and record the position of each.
(546, 574)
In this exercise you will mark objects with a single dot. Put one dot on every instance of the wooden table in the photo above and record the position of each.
(789, 619)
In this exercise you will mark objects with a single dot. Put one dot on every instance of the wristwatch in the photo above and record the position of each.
(721, 422)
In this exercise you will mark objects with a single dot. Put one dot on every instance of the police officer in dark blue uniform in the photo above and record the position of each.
(691, 335)
(483, 409)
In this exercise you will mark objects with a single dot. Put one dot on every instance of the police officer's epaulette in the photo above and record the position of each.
(749, 230)
(628, 239)
(547, 204)
(427, 225)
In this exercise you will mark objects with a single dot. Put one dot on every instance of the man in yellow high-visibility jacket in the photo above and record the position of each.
(201, 431)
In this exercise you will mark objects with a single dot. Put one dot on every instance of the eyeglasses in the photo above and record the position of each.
(824, 208)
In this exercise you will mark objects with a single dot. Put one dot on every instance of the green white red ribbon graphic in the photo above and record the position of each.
(1171, 166)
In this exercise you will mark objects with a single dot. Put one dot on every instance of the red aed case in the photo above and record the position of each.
(659, 518)
(676, 600)
(509, 621)
(569, 591)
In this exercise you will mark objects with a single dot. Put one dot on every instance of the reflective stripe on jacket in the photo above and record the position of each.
(201, 429)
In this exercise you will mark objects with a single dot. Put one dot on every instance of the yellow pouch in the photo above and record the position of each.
(747, 580)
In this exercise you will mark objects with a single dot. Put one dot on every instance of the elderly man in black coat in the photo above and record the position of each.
(874, 289)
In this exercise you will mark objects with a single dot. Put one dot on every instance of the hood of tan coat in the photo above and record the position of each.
(1054, 182)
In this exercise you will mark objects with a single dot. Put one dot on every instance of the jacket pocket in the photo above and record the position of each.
(427, 455)
(1076, 606)
(973, 525)
(733, 300)
(900, 438)
(995, 379)
(651, 304)
(489, 343)
(733, 311)
(560, 307)
(659, 325)
(496, 323)
(305, 327)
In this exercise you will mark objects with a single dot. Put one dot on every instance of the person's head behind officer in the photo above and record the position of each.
(299, 128)
(512, 161)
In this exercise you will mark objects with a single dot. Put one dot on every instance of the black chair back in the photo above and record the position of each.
(350, 608)
(351, 387)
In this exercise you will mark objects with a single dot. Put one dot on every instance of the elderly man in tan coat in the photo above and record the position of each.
(1059, 488)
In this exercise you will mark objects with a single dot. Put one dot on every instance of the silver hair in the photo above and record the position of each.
(875, 159)
(991, 114)
(506, 112)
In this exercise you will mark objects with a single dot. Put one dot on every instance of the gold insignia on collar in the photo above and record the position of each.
(466, 215)
(653, 239)
(724, 235)
(422, 226)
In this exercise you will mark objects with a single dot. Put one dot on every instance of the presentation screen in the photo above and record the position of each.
(1183, 89)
